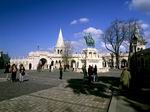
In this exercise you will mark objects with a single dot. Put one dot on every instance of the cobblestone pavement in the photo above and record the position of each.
(44, 92)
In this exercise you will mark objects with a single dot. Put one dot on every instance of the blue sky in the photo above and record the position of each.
(25, 24)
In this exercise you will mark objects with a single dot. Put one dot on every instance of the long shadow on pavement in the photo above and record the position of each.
(81, 86)
(113, 81)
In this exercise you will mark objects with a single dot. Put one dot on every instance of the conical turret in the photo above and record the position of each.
(60, 41)
(59, 48)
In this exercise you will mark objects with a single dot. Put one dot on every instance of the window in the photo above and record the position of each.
(60, 51)
(90, 53)
(94, 54)
(138, 49)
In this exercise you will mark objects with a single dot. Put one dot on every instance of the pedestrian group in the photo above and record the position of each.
(13, 70)
(91, 75)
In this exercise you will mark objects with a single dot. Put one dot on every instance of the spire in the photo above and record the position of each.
(60, 41)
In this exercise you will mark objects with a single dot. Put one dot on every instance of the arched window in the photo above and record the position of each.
(90, 53)
(94, 54)
(60, 51)
(104, 63)
(59, 61)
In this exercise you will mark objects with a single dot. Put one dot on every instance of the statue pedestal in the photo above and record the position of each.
(92, 58)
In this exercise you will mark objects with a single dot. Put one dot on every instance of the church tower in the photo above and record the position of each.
(59, 48)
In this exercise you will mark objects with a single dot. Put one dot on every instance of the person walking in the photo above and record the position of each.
(60, 71)
(22, 73)
(13, 72)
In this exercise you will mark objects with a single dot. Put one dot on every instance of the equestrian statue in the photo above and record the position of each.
(89, 40)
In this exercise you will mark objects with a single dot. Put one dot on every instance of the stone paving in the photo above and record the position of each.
(44, 92)
(56, 99)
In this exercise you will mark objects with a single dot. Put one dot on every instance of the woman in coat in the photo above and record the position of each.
(125, 79)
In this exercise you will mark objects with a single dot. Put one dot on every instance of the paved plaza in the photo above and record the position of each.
(44, 92)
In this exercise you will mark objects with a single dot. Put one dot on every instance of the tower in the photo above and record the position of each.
(59, 48)
(140, 42)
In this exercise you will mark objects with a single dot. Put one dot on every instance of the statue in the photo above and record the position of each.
(89, 40)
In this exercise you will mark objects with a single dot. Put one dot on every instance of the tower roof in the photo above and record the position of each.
(60, 41)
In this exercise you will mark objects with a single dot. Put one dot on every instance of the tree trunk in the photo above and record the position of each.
(117, 61)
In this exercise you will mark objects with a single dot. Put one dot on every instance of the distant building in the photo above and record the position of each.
(89, 56)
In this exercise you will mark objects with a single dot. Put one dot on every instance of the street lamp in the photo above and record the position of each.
(134, 42)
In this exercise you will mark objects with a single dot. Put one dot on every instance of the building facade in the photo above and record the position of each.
(88, 56)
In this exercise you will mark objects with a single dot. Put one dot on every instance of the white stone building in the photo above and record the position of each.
(90, 56)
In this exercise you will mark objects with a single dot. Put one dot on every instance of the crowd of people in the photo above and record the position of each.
(12, 70)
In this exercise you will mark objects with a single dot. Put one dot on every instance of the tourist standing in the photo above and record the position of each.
(13, 72)
(90, 73)
(84, 71)
(125, 79)
(95, 74)
(30, 66)
(73, 67)
(7, 71)
(60, 71)
(22, 73)
(50, 68)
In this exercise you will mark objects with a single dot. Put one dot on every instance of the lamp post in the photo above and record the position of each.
(134, 44)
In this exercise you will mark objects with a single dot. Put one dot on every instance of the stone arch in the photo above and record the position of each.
(104, 63)
(124, 63)
(30, 66)
(72, 63)
(42, 64)
(43, 61)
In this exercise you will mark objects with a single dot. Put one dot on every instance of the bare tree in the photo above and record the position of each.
(113, 38)
(67, 54)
